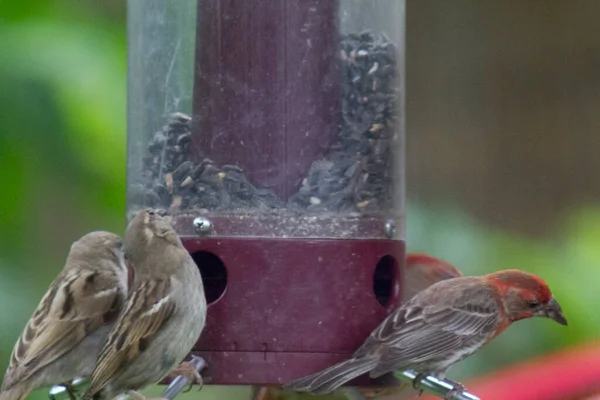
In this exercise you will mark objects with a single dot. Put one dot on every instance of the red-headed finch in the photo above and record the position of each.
(422, 271)
(441, 326)
(70, 325)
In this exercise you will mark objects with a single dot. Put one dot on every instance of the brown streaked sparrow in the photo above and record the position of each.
(68, 329)
(163, 317)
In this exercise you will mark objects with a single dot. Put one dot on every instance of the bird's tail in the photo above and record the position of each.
(17, 392)
(333, 377)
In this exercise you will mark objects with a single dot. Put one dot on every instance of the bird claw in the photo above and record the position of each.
(415, 384)
(187, 369)
(70, 391)
(457, 389)
(417, 380)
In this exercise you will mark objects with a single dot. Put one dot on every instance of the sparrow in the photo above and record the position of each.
(163, 317)
(62, 339)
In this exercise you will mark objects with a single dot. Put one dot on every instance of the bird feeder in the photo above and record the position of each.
(273, 132)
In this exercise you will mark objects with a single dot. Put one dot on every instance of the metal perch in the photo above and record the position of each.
(433, 385)
(428, 384)
(175, 387)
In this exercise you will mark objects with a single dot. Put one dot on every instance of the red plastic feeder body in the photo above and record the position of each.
(273, 132)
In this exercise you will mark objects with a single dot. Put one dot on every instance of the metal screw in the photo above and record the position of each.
(390, 228)
(202, 225)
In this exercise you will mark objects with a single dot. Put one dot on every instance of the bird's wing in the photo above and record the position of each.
(148, 309)
(76, 304)
(438, 333)
(419, 332)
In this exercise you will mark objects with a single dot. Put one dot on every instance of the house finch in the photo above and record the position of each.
(163, 317)
(70, 325)
(442, 325)
(422, 271)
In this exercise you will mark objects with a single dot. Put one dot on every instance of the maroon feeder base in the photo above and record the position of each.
(280, 309)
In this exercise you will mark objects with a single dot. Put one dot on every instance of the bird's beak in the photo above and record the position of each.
(160, 211)
(553, 311)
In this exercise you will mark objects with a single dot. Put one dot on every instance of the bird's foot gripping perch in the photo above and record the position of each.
(189, 370)
(68, 390)
(71, 392)
(457, 390)
(454, 393)
(442, 388)
(416, 382)
(186, 375)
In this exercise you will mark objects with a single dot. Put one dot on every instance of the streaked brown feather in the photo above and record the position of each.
(66, 314)
(419, 332)
(132, 331)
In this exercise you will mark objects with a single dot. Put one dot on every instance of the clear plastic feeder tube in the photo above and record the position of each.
(269, 118)
(273, 132)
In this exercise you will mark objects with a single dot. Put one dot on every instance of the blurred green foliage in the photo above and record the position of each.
(62, 144)
(62, 173)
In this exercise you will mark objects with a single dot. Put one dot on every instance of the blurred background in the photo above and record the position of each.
(502, 163)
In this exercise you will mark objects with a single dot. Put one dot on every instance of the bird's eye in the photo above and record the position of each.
(151, 213)
(534, 304)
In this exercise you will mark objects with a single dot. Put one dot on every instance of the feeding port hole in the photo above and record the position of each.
(214, 274)
(384, 279)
